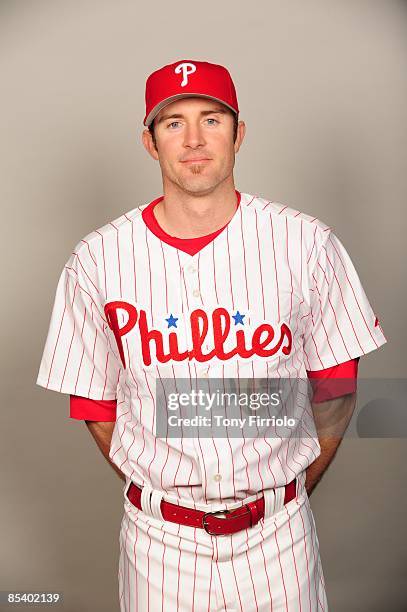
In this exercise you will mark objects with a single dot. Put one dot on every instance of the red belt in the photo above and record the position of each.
(221, 522)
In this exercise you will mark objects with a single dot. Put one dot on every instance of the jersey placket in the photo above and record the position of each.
(206, 458)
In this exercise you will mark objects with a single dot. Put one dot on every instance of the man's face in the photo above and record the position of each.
(194, 139)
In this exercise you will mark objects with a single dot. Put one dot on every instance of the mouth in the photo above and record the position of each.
(201, 160)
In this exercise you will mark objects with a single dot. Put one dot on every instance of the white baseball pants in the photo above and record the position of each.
(273, 566)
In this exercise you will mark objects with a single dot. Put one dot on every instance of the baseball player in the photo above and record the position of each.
(208, 283)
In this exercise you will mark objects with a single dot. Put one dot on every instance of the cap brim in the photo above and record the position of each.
(148, 120)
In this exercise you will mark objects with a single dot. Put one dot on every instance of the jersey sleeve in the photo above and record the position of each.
(78, 358)
(341, 324)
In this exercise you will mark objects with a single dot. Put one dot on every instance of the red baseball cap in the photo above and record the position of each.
(188, 78)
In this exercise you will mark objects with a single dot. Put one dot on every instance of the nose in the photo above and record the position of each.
(193, 136)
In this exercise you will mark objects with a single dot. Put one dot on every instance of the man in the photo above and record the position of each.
(205, 284)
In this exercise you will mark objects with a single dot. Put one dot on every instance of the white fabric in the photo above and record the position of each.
(273, 566)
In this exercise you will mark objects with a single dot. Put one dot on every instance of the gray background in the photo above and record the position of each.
(322, 87)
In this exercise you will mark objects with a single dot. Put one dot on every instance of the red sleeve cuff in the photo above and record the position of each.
(88, 409)
(334, 382)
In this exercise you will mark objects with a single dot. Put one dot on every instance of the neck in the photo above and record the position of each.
(185, 215)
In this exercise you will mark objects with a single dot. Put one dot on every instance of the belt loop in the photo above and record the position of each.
(127, 487)
(254, 513)
(300, 490)
(273, 501)
(155, 504)
(279, 499)
(145, 500)
(269, 500)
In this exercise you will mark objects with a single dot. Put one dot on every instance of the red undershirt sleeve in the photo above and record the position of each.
(334, 382)
(84, 408)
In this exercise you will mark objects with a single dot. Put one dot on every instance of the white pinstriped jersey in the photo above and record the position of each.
(280, 285)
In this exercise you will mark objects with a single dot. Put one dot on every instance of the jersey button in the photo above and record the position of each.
(217, 477)
(196, 293)
(191, 269)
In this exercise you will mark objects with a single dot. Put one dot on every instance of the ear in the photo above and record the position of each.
(241, 131)
(148, 143)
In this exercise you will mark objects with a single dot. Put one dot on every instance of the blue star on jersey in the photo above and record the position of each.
(238, 318)
(172, 321)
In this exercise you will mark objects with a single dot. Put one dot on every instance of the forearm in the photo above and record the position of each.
(102, 433)
(331, 421)
(315, 471)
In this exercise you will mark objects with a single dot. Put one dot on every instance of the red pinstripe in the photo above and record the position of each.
(230, 269)
(291, 272)
(90, 252)
(234, 574)
(244, 259)
(58, 335)
(295, 563)
(118, 258)
(315, 576)
(266, 572)
(215, 542)
(354, 294)
(323, 325)
(313, 246)
(135, 565)
(275, 267)
(70, 343)
(261, 275)
(93, 355)
(149, 271)
(163, 575)
(85, 273)
(196, 558)
(165, 276)
(281, 569)
(214, 274)
(343, 302)
(250, 570)
(335, 317)
(133, 257)
(104, 261)
(306, 554)
(209, 591)
(148, 572)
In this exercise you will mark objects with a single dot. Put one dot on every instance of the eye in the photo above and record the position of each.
(172, 123)
(212, 119)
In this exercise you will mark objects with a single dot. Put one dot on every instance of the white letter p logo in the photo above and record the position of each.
(186, 69)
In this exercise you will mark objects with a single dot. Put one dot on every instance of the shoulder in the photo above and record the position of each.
(92, 246)
(313, 231)
(283, 211)
(90, 256)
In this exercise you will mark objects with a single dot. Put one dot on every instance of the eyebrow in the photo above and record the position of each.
(203, 114)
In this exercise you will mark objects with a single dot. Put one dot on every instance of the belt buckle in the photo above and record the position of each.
(217, 514)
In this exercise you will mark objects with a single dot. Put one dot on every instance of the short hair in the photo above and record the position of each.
(235, 124)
